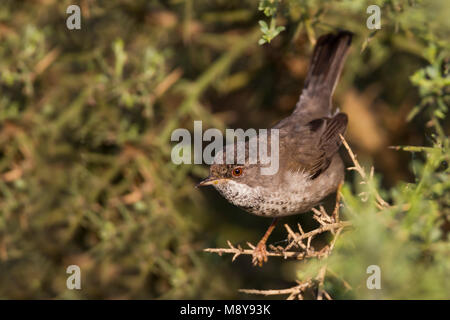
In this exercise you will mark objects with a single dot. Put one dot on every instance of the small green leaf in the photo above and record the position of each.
(413, 113)
(264, 26)
(438, 113)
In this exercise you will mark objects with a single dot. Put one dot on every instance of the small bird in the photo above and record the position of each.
(310, 167)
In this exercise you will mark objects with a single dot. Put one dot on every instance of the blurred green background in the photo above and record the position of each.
(85, 123)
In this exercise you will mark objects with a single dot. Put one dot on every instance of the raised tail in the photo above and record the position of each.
(323, 74)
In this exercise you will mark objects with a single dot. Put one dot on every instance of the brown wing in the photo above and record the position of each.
(311, 147)
(309, 138)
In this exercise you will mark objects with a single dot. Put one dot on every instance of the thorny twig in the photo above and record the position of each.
(381, 204)
(298, 291)
(299, 247)
(296, 240)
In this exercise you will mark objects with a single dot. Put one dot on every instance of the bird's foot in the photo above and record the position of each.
(259, 255)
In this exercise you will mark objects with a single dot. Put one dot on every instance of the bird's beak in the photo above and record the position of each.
(208, 181)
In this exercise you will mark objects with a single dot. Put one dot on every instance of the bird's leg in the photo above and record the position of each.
(260, 252)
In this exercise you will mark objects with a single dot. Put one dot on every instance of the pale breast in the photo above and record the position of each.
(290, 198)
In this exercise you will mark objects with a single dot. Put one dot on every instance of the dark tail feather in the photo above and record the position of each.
(323, 74)
(327, 62)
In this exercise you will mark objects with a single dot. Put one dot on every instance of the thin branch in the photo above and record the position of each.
(296, 291)
(237, 251)
(291, 291)
(381, 204)
(298, 238)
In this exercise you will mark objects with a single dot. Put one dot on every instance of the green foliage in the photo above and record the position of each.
(433, 82)
(405, 240)
(269, 7)
(85, 180)
(269, 33)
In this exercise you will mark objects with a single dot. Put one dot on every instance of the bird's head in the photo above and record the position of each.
(224, 173)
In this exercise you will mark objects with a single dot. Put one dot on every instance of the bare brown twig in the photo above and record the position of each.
(381, 204)
(299, 247)
(296, 239)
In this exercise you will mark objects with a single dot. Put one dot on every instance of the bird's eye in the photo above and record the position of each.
(237, 172)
